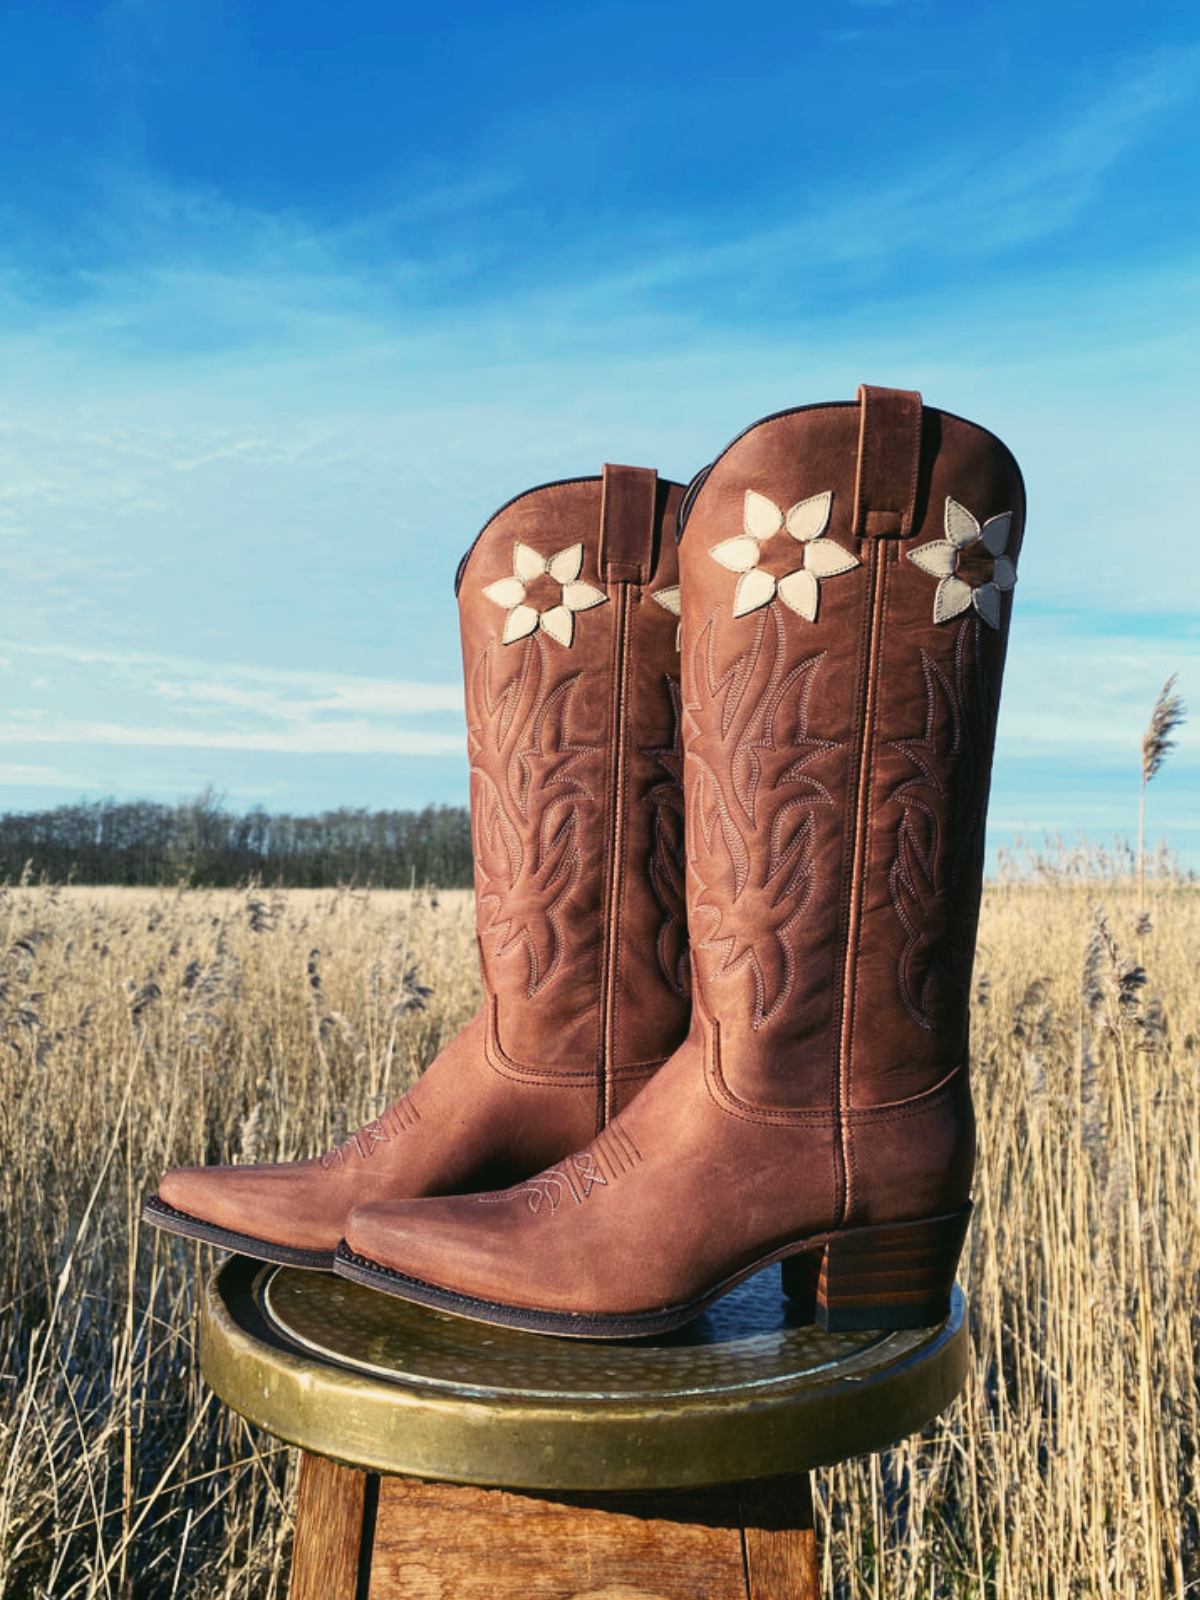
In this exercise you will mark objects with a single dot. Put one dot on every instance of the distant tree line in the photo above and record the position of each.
(201, 842)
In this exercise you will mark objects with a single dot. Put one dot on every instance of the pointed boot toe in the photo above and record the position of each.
(253, 1210)
(568, 602)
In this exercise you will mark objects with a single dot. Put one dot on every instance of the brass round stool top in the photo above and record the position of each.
(744, 1391)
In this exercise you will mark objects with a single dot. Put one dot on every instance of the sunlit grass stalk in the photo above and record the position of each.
(1067, 1469)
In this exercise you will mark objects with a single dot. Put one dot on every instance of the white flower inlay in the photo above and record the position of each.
(559, 620)
(806, 523)
(668, 599)
(940, 559)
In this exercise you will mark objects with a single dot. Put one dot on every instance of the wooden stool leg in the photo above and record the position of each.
(781, 1541)
(434, 1540)
(430, 1540)
(334, 1522)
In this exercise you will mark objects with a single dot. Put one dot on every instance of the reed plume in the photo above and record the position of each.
(1168, 715)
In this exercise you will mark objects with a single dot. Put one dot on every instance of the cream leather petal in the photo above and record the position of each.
(559, 623)
(527, 564)
(566, 566)
(961, 526)
(809, 518)
(952, 598)
(754, 589)
(995, 533)
(760, 517)
(521, 620)
(826, 559)
(939, 558)
(739, 555)
(506, 592)
(799, 592)
(987, 603)
(582, 596)
(668, 599)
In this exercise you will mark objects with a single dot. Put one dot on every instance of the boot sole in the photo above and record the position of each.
(893, 1276)
(162, 1215)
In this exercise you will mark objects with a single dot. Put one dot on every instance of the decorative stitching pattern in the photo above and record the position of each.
(574, 1178)
(806, 522)
(753, 873)
(366, 1140)
(525, 807)
(940, 558)
(618, 1150)
(960, 713)
(668, 855)
(405, 1112)
(559, 620)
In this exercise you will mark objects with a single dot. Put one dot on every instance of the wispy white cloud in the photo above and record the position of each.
(54, 693)
(273, 692)
(89, 698)
(1077, 702)
(24, 774)
(335, 739)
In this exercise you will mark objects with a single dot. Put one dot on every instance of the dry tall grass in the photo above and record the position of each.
(139, 1029)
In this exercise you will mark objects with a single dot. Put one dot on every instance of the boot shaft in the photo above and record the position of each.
(569, 610)
(847, 574)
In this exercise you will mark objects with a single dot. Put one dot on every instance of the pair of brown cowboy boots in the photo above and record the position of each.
(800, 696)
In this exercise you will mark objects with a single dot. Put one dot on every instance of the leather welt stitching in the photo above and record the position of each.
(525, 1072)
(931, 1100)
(723, 1096)
(752, 852)
(532, 1072)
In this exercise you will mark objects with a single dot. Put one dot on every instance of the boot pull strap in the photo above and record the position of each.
(628, 517)
(889, 452)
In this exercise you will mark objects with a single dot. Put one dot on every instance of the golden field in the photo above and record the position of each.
(142, 1028)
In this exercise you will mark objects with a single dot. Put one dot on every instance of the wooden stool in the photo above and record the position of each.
(667, 1469)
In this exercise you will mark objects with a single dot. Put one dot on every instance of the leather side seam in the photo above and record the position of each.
(874, 551)
(615, 841)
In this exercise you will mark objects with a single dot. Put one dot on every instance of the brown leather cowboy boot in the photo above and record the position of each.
(569, 608)
(846, 574)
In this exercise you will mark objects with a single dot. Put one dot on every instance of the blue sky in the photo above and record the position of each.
(292, 297)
